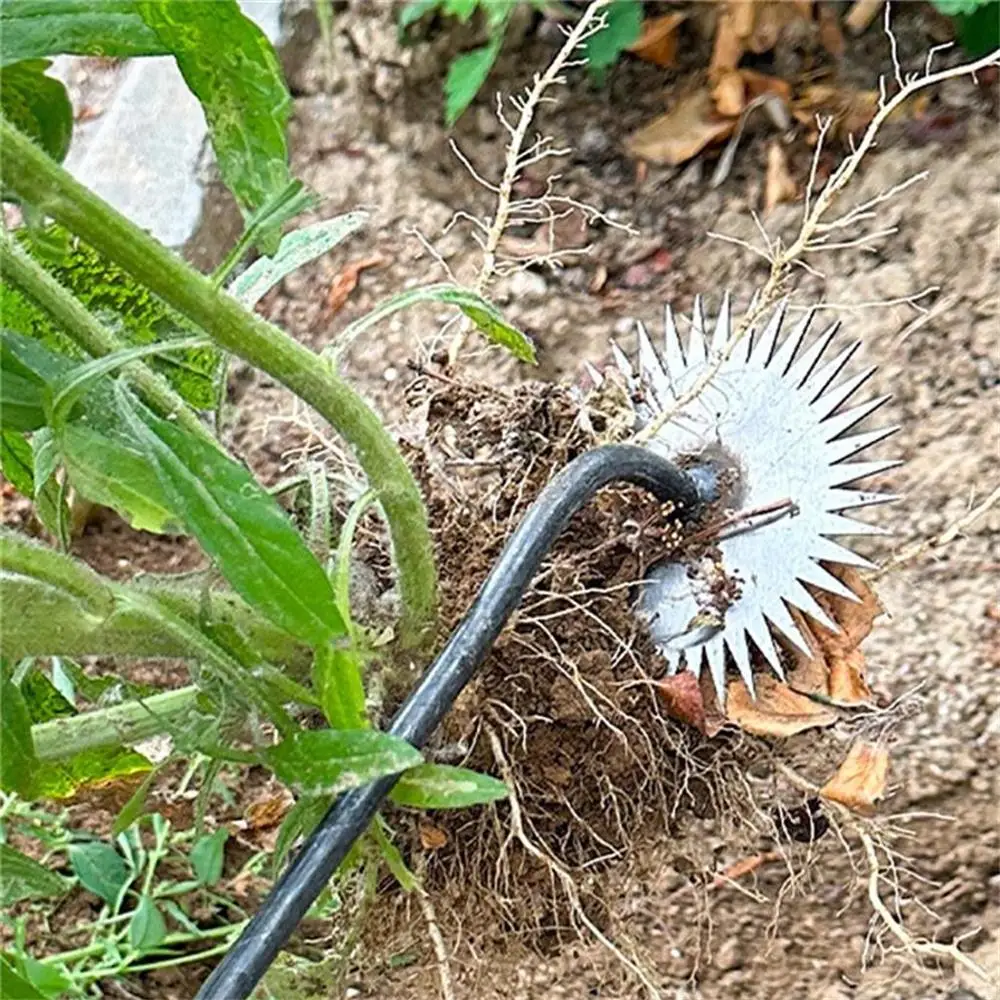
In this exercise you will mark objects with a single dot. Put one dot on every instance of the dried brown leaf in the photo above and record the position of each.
(727, 48)
(860, 780)
(777, 709)
(684, 700)
(779, 186)
(658, 41)
(830, 35)
(685, 130)
(268, 812)
(728, 93)
(346, 281)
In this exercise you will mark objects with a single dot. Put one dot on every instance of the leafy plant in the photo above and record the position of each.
(112, 352)
(977, 23)
(468, 72)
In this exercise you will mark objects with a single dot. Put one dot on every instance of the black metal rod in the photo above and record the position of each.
(349, 816)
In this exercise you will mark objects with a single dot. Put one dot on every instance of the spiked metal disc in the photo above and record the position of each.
(773, 416)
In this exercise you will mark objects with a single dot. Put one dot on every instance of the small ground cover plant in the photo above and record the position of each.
(113, 361)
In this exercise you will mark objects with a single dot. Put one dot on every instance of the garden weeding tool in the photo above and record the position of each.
(765, 437)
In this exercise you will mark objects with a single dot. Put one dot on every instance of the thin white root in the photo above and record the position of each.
(437, 942)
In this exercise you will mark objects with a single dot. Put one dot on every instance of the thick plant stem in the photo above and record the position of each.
(75, 320)
(40, 181)
(127, 723)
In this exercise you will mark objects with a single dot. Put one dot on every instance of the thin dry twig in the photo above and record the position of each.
(437, 942)
(925, 545)
(814, 231)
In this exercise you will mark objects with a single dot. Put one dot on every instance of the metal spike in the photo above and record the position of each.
(827, 550)
(673, 350)
(836, 425)
(801, 370)
(840, 394)
(804, 601)
(837, 524)
(815, 575)
(761, 636)
(838, 500)
(851, 472)
(723, 326)
(593, 374)
(624, 365)
(764, 348)
(823, 377)
(697, 352)
(781, 618)
(651, 368)
(850, 446)
(692, 659)
(715, 653)
(789, 347)
(673, 658)
(741, 655)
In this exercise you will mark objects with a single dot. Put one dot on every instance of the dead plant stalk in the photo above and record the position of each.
(814, 233)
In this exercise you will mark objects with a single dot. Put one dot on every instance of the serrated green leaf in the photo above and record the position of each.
(239, 525)
(122, 304)
(100, 869)
(12, 983)
(466, 75)
(22, 877)
(19, 764)
(438, 786)
(623, 27)
(208, 856)
(296, 249)
(113, 28)
(37, 104)
(481, 311)
(328, 762)
(240, 86)
(147, 928)
(17, 462)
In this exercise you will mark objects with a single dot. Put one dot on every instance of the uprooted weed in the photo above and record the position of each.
(566, 706)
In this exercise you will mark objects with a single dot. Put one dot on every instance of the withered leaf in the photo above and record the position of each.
(860, 780)
(777, 710)
(779, 186)
(685, 130)
(432, 838)
(658, 41)
(684, 700)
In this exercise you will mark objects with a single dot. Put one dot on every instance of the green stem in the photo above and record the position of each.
(126, 723)
(40, 181)
(78, 323)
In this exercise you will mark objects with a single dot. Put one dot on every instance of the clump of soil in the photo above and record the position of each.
(566, 706)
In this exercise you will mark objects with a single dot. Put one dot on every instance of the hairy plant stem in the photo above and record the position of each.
(40, 181)
(129, 722)
(83, 328)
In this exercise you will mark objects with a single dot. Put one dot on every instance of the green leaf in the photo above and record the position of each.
(338, 684)
(46, 977)
(12, 983)
(482, 312)
(239, 525)
(46, 456)
(438, 786)
(22, 877)
(328, 762)
(392, 857)
(414, 10)
(18, 763)
(123, 305)
(147, 928)
(17, 462)
(208, 856)
(952, 8)
(466, 75)
(240, 87)
(69, 389)
(100, 869)
(301, 820)
(623, 27)
(32, 28)
(21, 406)
(37, 104)
(978, 30)
(296, 249)
(136, 804)
(111, 470)
(462, 9)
